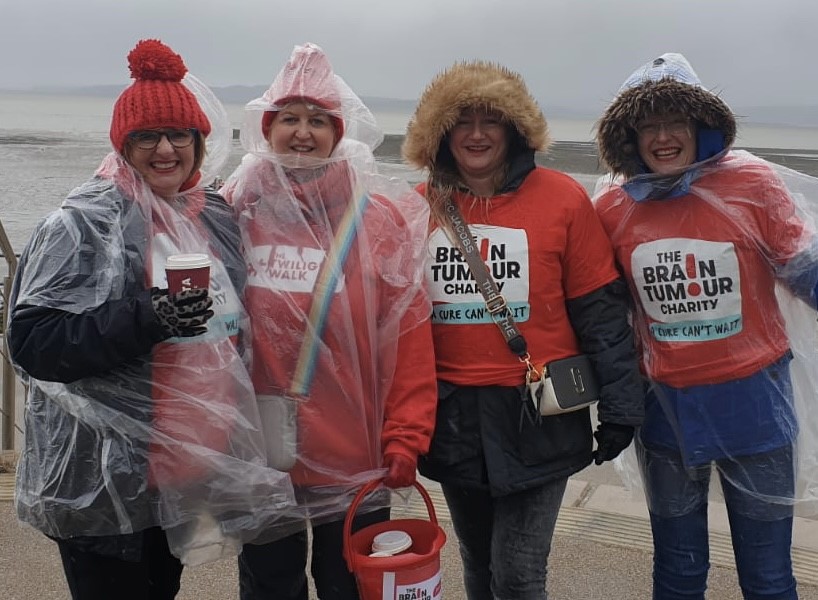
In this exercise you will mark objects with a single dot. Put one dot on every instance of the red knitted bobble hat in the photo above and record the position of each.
(157, 98)
(307, 77)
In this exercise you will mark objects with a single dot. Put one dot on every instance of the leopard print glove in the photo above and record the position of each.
(184, 314)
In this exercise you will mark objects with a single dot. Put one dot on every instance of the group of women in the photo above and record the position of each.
(342, 339)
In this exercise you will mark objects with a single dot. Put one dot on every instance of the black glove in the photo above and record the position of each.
(611, 439)
(184, 314)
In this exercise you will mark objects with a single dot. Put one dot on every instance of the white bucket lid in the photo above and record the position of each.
(391, 542)
(187, 261)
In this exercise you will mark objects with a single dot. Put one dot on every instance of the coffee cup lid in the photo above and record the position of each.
(187, 261)
(391, 542)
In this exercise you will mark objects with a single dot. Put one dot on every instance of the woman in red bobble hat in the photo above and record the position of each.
(141, 447)
(342, 361)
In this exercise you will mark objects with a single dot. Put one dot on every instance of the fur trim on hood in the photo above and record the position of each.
(474, 84)
(666, 84)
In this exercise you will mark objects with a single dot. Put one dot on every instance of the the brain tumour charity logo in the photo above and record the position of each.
(689, 288)
(696, 283)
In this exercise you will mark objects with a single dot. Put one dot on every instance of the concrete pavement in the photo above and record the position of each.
(602, 547)
(602, 550)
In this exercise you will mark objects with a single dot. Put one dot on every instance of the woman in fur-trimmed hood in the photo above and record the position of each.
(704, 236)
(466, 86)
(503, 465)
(469, 86)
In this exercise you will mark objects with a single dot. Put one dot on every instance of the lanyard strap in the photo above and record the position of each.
(325, 285)
(495, 302)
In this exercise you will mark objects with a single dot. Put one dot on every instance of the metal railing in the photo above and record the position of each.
(7, 400)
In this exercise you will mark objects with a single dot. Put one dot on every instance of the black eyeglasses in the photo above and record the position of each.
(676, 126)
(148, 139)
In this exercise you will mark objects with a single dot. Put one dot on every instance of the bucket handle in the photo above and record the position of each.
(359, 497)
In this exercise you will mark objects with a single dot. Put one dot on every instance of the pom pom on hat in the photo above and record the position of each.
(157, 98)
(307, 77)
(151, 59)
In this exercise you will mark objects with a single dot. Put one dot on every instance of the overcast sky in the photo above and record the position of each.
(572, 53)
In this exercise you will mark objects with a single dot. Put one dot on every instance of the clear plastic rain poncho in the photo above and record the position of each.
(335, 258)
(170, 437)
(722, 262)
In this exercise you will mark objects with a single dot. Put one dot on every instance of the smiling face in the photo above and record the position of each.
(164, 168)
(666, 142)
(479, 143)
(304, 130)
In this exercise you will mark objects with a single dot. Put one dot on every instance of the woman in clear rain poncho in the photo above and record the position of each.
(716, 245)
(342, 360)
(141, 424)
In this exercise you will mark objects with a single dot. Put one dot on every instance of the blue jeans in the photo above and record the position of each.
(761, 530)
(505, 541)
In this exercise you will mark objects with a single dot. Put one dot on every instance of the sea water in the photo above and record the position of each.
(49, 144)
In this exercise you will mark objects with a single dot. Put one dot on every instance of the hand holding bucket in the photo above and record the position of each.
(414, 572)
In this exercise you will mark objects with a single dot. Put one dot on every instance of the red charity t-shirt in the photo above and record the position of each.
(702, 272)
(544, 245)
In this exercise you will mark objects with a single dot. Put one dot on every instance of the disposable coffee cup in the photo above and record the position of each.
(389, 543)
(187, 272)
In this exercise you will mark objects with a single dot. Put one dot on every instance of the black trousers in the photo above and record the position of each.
(155, 575)
(277, 571)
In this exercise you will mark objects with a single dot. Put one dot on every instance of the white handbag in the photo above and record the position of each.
(566, 385)
(279, 423)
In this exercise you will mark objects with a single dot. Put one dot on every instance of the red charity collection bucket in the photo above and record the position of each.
(410, 575)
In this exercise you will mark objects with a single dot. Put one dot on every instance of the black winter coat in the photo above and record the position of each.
(73, 478)
(482, 429)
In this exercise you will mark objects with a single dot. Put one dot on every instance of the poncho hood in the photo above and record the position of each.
(666, 84)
